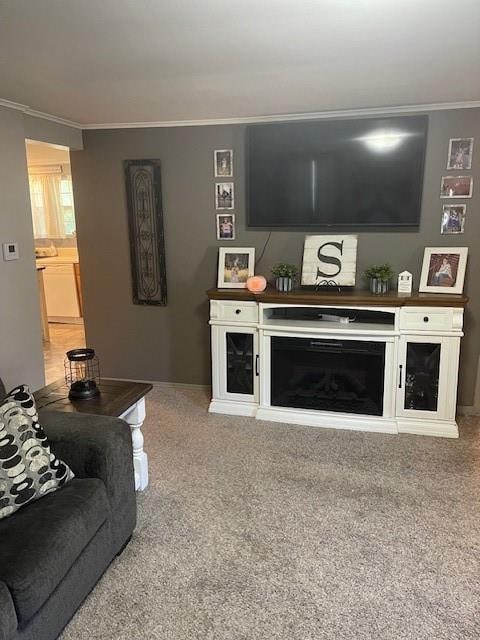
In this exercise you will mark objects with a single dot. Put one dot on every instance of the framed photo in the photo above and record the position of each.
(225, 226)
(329, 261)
(456, 187)
(453, 218)
(443, 269)
(223, 163)
(235, 266)
(460, 152)
(224, 198)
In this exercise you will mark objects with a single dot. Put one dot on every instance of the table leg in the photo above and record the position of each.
(135, 417)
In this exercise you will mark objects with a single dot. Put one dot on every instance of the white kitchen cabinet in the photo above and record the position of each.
(61, 293)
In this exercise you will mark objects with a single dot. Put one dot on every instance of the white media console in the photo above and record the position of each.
(338, 360)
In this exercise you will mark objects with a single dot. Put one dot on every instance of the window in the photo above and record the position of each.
(38, 209)
(51, 196)
(66, 200)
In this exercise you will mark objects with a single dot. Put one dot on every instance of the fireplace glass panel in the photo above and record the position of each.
(422, 375)
(328, 375)
(239, 349)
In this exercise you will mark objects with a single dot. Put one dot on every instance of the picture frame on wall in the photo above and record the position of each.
(453, 218)
(223, 163)
(224, 195)
(460, 154)
(225, 226)
(235, 266)
(456, 187)
(443, 269)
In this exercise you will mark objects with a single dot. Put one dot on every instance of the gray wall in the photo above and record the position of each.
(20, 333)
(21, 358)
(172, 343)
(48, 131)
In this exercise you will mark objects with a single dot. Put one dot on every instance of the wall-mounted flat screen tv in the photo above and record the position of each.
(336, 173)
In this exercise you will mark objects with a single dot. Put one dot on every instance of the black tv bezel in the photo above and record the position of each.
(370, 226)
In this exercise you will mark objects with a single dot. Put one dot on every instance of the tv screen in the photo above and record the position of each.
(342, 173)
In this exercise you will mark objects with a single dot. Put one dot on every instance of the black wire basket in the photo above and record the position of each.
(82, 373)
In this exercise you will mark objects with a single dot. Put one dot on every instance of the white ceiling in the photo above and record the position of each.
(118, 61)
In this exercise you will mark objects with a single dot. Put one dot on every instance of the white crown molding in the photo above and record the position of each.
(314, 115)
(38, 114)
(12, 105)
(56, 119)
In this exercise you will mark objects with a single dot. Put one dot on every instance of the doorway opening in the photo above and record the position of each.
(56, 253)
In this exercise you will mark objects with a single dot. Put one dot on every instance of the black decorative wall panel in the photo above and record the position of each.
(147, 240)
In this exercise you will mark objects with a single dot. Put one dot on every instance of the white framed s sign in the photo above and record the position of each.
(329, 260)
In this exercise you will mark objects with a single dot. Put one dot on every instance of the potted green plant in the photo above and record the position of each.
(284, 275)
(379, 277)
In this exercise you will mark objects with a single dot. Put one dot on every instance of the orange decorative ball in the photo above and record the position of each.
(256, 284)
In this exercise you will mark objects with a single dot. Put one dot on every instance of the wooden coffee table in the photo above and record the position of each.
(117, 398)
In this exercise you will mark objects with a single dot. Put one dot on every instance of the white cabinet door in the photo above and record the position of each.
(61, 291)
(427, 377)
(235, 363)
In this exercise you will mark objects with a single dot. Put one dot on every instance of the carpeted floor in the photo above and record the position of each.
(258, 531)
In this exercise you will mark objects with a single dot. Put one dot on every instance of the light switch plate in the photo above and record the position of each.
(10, 251)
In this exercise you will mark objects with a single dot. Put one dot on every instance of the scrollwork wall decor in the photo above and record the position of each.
(147, 238)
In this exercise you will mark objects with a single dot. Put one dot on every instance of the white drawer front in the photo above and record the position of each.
(431, 319)
(231, 311)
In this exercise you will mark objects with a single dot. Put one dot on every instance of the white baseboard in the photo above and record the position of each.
(181, 385)
(159, 383)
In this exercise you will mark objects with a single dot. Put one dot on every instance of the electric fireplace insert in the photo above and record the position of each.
(346, 376)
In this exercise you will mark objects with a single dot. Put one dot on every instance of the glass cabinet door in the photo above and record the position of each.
(421, 377)
(236, 361)
(240, 362)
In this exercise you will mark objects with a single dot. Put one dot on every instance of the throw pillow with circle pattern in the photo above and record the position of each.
(28, 469)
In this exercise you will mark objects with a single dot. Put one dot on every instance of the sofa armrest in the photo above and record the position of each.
(94, 447)
(8, 617)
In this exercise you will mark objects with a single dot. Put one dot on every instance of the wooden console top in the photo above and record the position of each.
(355, 297)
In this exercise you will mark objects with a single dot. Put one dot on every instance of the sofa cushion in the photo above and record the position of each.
(28, 469)
(41, 542)
(8, 617)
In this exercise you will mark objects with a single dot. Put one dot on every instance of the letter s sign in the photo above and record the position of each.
(330, 259)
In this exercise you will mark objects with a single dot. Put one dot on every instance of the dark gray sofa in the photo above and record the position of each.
(53, 551)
